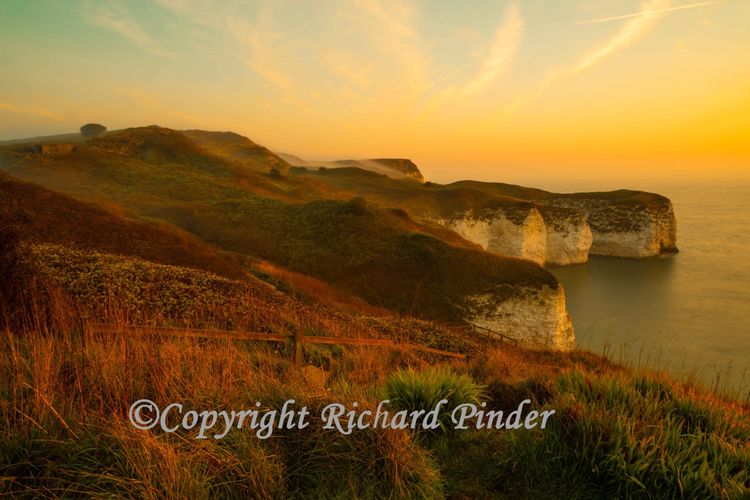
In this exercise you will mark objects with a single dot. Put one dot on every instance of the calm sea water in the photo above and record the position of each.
(689, 312)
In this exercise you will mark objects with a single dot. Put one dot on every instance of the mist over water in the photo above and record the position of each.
(689, 312)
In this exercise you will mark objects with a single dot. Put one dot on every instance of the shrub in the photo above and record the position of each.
(92, 130)
(412, 390)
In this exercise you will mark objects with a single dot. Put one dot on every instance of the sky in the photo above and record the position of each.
(514, 90)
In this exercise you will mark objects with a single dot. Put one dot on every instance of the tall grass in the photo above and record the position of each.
(422, 390)
(64, 402)
(65, 394)
(615, 434)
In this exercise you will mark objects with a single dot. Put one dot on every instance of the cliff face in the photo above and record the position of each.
(566, 228)
(626, 228)
(545, 235)
(569, 236)
(537, 317)
(510, 231)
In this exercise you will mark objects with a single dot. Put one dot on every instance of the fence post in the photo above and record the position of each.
(296, 348)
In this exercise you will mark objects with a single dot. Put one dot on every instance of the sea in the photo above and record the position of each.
(687, 313)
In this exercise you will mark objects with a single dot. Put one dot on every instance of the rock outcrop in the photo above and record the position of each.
(640, 225)
(536, 317)
(516, 221)
(566, 229)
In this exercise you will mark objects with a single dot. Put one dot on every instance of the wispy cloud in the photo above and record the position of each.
(391, 28)
(116, 18)
(31, 111)
(157, 104)
(253, 34)
(346, 67)
(648, 12)
(628, 34)
(262, 44)
(501, 53)
(637, 26)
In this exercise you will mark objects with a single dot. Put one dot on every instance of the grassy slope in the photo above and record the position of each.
(432, 199)
(383, 256)
(238, 148)
(368, 250)
(42, 215)
(615, 433)
(112, 288)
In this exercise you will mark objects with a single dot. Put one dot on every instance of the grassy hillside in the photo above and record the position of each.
(240, 149)
(441, 200)
(418, 199)
(615, 433)
(113, 288)
(41, 215)
(381, 255)
(378, 254)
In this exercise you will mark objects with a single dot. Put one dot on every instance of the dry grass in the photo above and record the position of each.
(320, 291)
(65, 398)
(65, 395)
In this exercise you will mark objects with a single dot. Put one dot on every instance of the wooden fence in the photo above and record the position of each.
(295, 340)
(487, 332)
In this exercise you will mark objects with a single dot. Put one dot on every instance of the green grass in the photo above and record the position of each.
(612, 437)
(412, 390)
(616, 434)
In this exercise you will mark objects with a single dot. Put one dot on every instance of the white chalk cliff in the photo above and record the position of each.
(567, 229)
(626, 228)
(535, 316)
(545, 235)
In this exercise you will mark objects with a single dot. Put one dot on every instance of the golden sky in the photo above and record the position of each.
(492, 90)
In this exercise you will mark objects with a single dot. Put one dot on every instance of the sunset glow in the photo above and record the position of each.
(659, 86)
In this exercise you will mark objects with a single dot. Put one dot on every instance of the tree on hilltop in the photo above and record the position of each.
(92, 130)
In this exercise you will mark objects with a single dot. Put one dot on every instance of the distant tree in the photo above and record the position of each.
(92, 130)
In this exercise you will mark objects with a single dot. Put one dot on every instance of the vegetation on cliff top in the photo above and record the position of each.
(372, 252)
(380, 255)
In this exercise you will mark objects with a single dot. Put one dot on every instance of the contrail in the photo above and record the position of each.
(649, 12)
